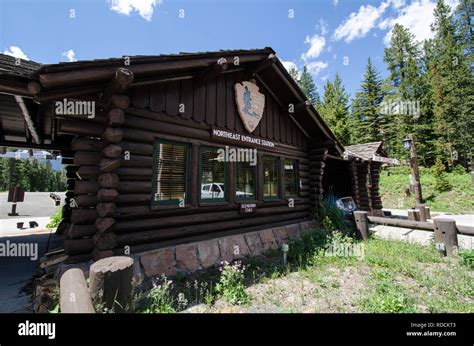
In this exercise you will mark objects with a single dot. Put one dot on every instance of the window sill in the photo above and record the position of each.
(168, 207)
(212, 203)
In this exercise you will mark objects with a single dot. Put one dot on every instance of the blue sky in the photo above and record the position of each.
(329, 36)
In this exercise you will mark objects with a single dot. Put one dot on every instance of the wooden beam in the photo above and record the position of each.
(263, 65)
(212, 71)
(28, 121)
(122, 80)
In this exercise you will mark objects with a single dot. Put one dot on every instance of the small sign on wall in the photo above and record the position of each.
(248, 208)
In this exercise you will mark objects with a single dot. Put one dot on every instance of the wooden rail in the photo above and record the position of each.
(426, 226)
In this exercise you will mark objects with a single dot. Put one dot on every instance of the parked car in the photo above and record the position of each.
(216, 190)
(347, 205)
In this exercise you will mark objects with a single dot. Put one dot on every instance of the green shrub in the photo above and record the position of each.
(231, 284)
(467, 257)
(55, 220)
(459, 169)
(330, 216)
(159, 298)
(441, 181)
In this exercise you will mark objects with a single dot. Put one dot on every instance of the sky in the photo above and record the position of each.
(328, 36)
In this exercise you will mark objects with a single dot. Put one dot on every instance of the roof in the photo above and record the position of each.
(15, 67)
(90, 77)
(364, 151)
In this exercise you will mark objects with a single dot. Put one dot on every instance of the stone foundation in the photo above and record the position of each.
(188, 258)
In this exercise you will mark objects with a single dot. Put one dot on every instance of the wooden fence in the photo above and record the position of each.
(445, 230)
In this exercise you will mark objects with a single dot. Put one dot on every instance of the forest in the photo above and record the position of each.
(429, 93)
(31, 175)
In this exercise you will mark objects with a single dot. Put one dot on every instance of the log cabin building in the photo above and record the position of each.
(141, 138)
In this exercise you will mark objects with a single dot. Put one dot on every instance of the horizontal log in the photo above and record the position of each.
(134, 187)
(119, 101)
(88, 158)
(80, 127)
(116, 117)
(83, 216)
(83, 187)
(108, 180)
(88, 172)
(78, 246)
(105, 210)
(106, 241)
(104, 225)
(137, 148)
(137, 161)
(112, 135)
(147, 172)
(112, 151)
(107, 195)
(183, 231)
(86, 144)
(134, 198)
(197, 218)
(109, 165)
(86, 201)
(81, 231)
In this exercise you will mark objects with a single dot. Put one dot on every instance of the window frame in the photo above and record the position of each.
(172, 203)
(255, 176)
(277, 160)
(204, 201)
(297, 180)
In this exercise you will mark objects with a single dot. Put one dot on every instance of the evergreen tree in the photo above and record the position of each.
(306, 84)
(334, 109)
(365, 107)
(449, 68)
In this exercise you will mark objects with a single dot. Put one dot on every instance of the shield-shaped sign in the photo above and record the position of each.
(250, 104)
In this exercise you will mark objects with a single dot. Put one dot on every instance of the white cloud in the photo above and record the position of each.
(70, 55)
(316, 43)
(15, 52)
(143, 7)
(335, 2)
(289, 65)
(316, 66)
(323, 26)
(417, 17)
(358, 24)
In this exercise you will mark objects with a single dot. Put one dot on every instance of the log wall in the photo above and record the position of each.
(114, 192)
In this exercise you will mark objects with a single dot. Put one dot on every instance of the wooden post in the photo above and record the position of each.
(446, 231)
(416, 171)
(362, 224)
(422, 210)
(74, 293)
(428, 212)
(111, 282)
(413, 214)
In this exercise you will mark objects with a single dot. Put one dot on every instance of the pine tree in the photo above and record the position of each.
(365, 107)
(449, 68)
(334, 109)
(306, 84)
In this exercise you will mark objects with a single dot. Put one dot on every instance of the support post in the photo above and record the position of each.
(446, 232)
(362, 224)
(111, 282)
(422, 210)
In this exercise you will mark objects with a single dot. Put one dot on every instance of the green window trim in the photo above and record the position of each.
(170, 202)
(296, 179)
(210, 200)
(250, 198)
(276, 160)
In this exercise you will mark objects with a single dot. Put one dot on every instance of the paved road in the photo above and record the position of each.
(35, 204)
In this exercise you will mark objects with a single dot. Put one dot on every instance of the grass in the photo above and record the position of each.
(459, 200)
(389, 277)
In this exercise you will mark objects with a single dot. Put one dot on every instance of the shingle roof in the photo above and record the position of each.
(364, 151)
(10, 67)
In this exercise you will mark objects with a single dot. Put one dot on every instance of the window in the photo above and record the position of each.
(213, 174)
(169, 172)
(270, 177)
(244, 180)
(291, 178)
